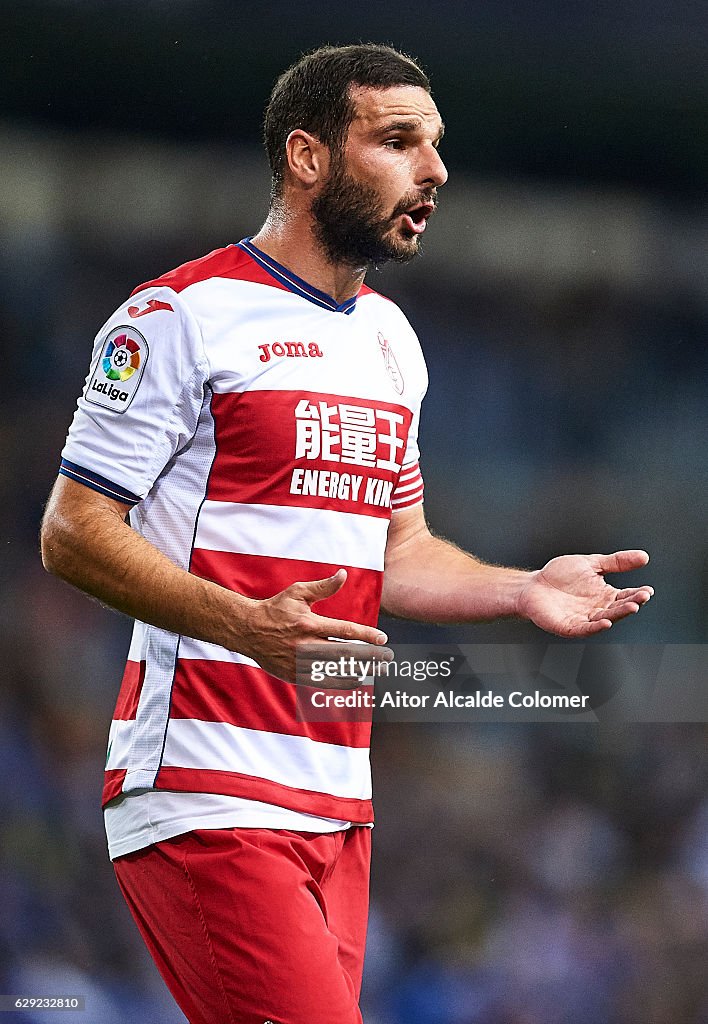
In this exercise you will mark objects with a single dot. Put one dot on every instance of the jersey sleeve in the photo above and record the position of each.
(142, 398)
(409, 487)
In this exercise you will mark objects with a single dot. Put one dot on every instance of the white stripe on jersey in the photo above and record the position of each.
(308, 534)
(120, 736)
(136, 651)
(294, 761)
(199, 650)
(407, 488)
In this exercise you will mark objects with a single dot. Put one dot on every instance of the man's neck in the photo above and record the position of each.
(290, 241)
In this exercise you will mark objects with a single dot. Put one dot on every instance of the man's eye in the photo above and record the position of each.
(394, 143)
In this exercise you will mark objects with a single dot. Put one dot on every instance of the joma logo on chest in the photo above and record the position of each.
(291, 350)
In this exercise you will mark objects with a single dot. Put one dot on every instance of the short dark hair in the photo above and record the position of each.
(314, 94)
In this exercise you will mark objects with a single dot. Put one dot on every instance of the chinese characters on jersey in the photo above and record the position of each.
(354, 435)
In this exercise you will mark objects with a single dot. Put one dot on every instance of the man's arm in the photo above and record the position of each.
(431, 580)
(86, 541)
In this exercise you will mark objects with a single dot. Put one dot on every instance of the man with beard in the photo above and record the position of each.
(256, 413)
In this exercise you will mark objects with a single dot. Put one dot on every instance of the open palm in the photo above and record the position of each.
(571, 598)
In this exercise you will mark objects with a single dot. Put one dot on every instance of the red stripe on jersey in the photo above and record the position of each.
(408, 474)
(406, 489)
(409, 501)
(257, 438)
(203, 780)
(113, 779)
(130, 689)
(409, 489)
(248, 697)
(258, 577)
(229, 262)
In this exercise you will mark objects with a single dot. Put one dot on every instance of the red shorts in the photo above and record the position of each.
(255, 926)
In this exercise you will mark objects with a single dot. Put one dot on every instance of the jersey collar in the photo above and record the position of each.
(294, 283)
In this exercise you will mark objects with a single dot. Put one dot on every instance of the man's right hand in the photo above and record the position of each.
(279, 625)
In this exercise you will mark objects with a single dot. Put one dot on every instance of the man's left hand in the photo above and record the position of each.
(571, 598)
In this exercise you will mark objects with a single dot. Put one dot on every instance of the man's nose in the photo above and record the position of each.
(434, 170)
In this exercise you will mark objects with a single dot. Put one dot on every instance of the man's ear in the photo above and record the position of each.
(308, 158)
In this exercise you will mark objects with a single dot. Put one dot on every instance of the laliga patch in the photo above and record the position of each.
(119, 370)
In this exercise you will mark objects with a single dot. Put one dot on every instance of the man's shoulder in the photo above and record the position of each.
(230, 261)
(384, 306)
(365, 291)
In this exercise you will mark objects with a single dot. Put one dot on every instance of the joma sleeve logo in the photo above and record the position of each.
(151, 306)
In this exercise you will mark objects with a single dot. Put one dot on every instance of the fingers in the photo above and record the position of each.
(620, 561)
(345, 664)
(335, 648)
(590, 628)
(639, 594)
(343, 630)
(583, 627)
(323, 627)
(318, 590)
(615, 612)
(626, 602)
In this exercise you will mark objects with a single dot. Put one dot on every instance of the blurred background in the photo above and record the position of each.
(535, 874)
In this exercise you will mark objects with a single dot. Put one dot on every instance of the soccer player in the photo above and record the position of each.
(255, 412)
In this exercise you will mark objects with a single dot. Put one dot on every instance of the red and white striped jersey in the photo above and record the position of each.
(263, 434)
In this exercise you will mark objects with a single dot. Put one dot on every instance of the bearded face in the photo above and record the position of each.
(353, 226)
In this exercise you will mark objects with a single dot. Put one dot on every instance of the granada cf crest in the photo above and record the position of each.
(392, 367)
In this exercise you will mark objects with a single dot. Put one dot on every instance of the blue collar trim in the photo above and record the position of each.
(294, 283)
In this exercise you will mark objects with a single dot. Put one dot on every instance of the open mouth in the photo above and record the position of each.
(416, 218)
